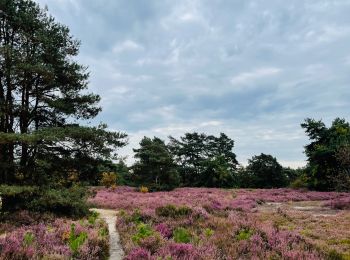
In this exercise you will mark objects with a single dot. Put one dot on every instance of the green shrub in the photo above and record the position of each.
(93, 217)
(334, 255)
(75, 241)
(208, 232)
(171, 211)
(302, 182)
(65, 201)
(28, 239)
(103, 232)
(244, 234)
(143, 231)
(16, 197)
(182, 235)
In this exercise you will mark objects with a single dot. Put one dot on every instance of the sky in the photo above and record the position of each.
(253, 69)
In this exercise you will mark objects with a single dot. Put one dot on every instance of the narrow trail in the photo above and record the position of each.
(110, 216)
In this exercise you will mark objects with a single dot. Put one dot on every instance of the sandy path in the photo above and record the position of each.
(110, 216)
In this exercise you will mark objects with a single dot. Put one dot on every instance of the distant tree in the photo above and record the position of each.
(328, 154)
(155, 167)
(123, 172)
(205, 160)
(264, 171)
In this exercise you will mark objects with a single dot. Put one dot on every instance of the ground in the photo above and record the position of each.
(200, 223)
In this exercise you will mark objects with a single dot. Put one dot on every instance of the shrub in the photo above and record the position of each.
(173, 212)
(182, 235)
(139, 253)
(65, 201)
(164, 230)
(143, 189)
(301, 182)
(28, 239)
(143, 231)
(108, 179)
(76, 240)
(152, 242)
(208, 232)
(244, 234)
(92, 218)
(16, 197)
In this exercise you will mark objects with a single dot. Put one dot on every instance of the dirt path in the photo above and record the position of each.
(110, 216)
(314, 208)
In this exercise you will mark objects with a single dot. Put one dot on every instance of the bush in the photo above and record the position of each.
(64, 202)
(182, 235)
(244, 234)
(16, 197)
(301, 182)
(173, 212)
(143, 189)
(108, 179)
(143, 231)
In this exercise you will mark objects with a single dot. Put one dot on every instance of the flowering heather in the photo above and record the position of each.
(128, 198)
(202, 223)
(57, 239)
(339, 203)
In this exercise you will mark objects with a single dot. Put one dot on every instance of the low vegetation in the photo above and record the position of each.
(202, 223)
(31, 236)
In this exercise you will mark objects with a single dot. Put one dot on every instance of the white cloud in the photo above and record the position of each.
(127, 45)
(253, 76)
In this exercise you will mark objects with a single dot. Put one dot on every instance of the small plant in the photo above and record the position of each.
(103, 232)
(173, 212)
(108, 179)
(182, 235)
(92, 218)
(28, 239)
(143, 231)
(244, 234)
(143, 189)
(208, 232)
(75, 241)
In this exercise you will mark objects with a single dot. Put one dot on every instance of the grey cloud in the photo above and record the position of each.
(257, 67)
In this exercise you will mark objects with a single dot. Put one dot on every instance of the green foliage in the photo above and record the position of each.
(328, 154)
(93, 217)
(103, 232)
(208, 232)
(76, 241)
(16, 197)
(46, 89)
(182, 235)
(28, 239)
(263, 171)
(155, 167)
(244, 234)
(143, 231)
(334, 255)
(171, 211)
(64, 201)
(205, 160)
(302, 182)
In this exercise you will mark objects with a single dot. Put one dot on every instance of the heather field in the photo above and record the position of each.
(203, 223)
(27, 235)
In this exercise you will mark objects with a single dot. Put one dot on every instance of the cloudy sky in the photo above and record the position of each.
(253, 69)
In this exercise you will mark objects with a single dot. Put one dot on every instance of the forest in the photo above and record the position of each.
(176, 201)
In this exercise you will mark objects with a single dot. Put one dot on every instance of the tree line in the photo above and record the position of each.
(200, 160)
